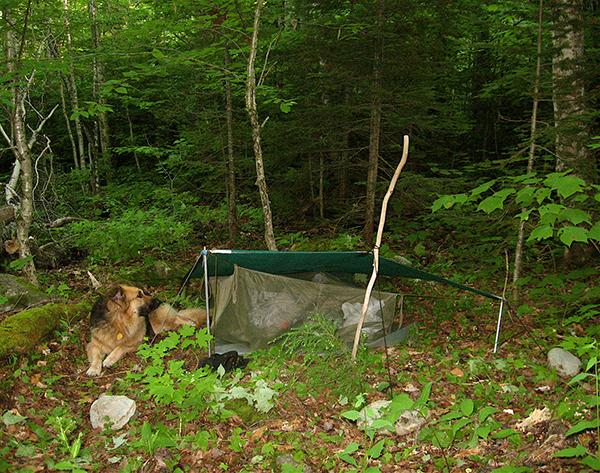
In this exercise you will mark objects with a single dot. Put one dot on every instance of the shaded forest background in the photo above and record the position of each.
(129, 125)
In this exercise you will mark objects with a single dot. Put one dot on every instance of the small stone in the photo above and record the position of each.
(372, 412)
(409, 421)
(118, 409)
(288, 459)
(566, 363)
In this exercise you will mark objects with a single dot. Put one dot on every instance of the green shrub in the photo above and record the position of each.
(126, 238)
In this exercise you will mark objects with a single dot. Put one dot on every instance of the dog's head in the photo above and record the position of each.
(132, 300)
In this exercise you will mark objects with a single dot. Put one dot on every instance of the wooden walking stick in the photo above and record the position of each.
(377, 245)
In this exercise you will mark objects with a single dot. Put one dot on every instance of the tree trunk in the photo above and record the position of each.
(532, 149)
(321, 186)
(102, 128)
(256, 127)
(22, 152)
(344, 156)
(71, 86)
(232, 217)
(374, 134)
(570, 109)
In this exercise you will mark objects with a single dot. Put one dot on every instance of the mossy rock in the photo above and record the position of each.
(23, 331)
(19, 293)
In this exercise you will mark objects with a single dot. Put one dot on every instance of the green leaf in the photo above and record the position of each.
(549, 213)
(467, 406)
(352, 415)
(577, 451)
(351, 447)
(504, 433)
(382, 424)
(592, 462)
(481, 189)
(541, 232)
(495, 201)
(483, 431)
(375, 450)
(566, 186)
(401, 402)
(570, 234)
(575, 216)
(460, 424)
(450, 416)
(425, 393)
(594, 232)
(511, 469)
(525, 196)
(445, 201)
(581, 426)
(524, 216)
(487, 411)
(10, 419)
(460, 198)
(542, 194)
(347, 458)
(579, 377)
(157, 54)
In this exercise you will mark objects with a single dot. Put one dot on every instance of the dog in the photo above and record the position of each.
(121, 319)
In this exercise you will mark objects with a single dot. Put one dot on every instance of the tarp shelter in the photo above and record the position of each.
(258, 295)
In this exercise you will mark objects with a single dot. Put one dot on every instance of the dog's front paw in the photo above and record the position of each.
(93, 371)
(108, 362)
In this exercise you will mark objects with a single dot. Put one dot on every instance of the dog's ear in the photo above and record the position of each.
(116, 293)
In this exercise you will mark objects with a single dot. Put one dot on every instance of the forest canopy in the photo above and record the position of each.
(140, 111)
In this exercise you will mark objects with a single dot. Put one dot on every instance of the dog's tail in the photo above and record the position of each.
(198, 316)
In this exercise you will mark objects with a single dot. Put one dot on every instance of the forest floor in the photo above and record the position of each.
(478, 412)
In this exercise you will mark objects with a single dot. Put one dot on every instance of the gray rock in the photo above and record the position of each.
(372, 412)
(566, 363)
(20, 293)
(288, 459)
(409, 421)
(118, 410)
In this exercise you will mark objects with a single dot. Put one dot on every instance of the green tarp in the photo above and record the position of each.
(222, 262)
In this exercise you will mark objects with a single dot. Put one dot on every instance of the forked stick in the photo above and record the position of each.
(377, 245)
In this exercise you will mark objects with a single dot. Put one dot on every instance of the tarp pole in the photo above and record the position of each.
(206, 294)
(498, 327)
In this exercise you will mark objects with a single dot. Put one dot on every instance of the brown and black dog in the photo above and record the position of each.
(121, 319)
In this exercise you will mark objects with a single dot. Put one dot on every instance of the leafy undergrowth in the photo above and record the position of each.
(477, 405)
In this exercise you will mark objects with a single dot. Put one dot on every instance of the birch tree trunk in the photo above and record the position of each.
(569, 92)
(22, 152)
(256, 127)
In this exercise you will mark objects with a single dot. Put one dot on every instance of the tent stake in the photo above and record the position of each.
(205, 264)
(498, 326)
